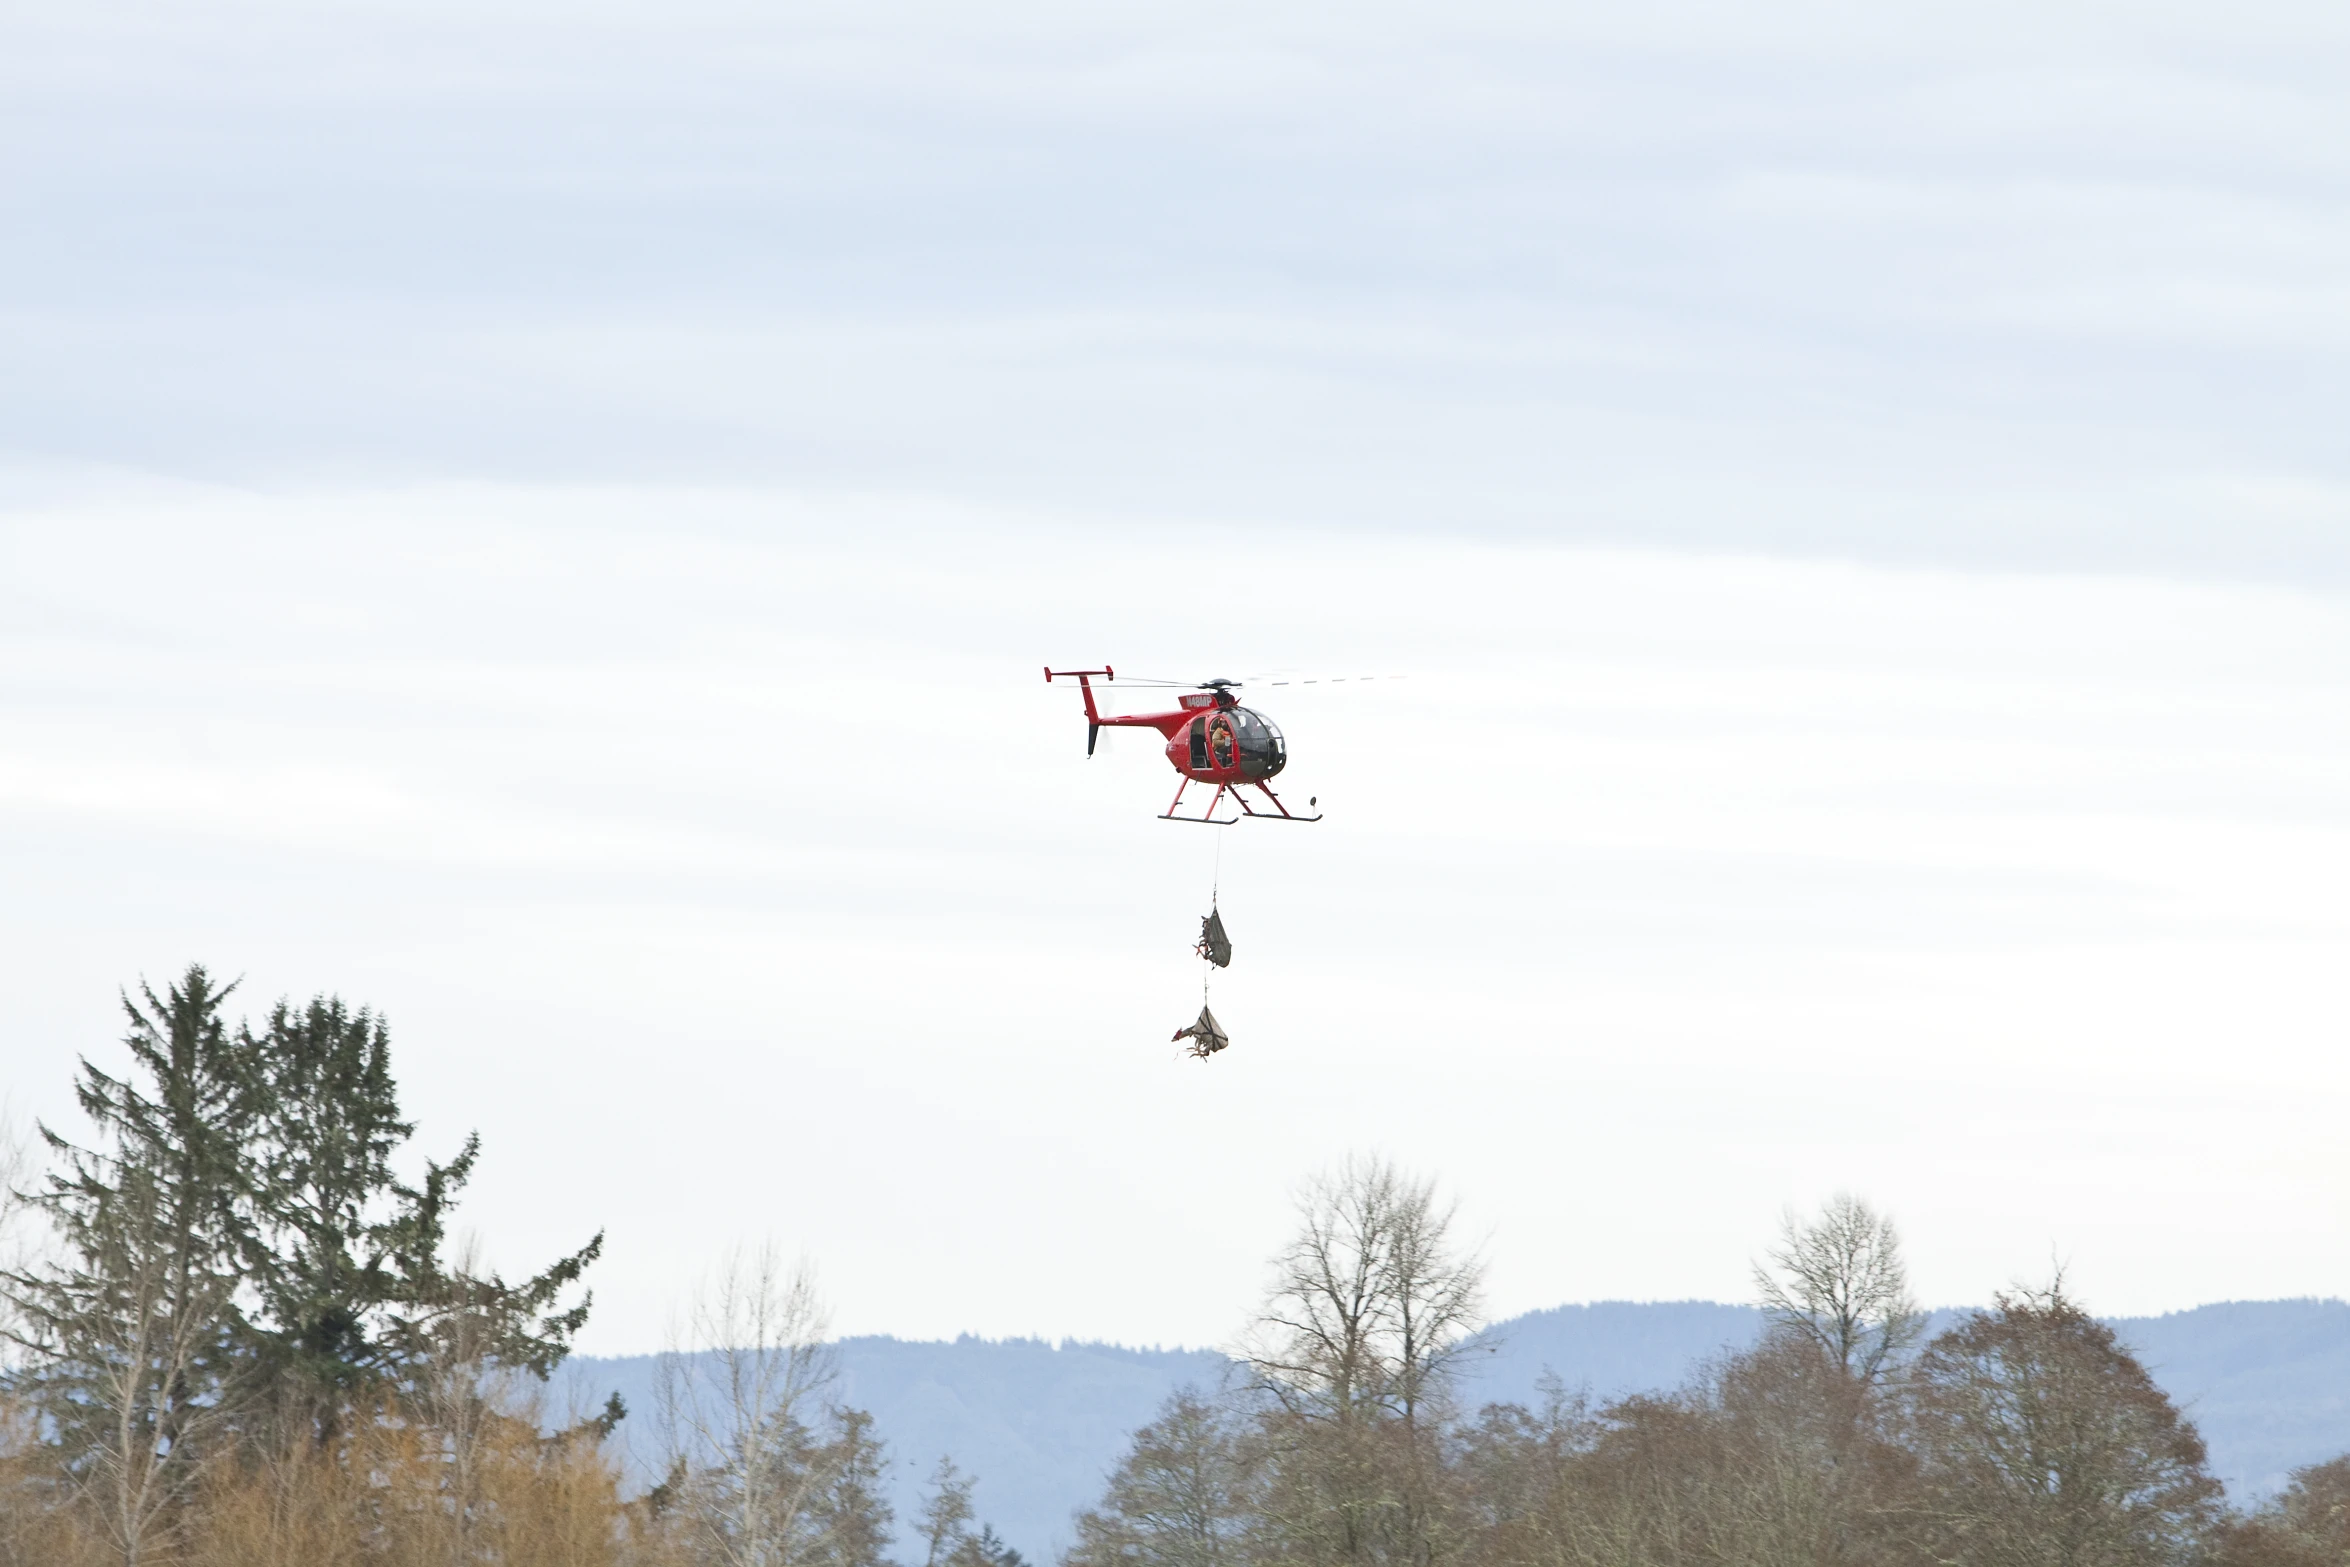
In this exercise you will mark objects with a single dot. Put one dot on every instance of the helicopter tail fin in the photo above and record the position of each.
(1084, 678)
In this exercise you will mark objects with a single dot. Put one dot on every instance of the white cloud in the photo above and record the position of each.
(729, 843)
(1800, 278)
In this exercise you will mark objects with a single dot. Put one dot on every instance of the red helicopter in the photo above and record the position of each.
(1211, 739)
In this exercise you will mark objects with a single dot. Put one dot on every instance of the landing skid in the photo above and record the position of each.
(1279, 813)
(1209, 818)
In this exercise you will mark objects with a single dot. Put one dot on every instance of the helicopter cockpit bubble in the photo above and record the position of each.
(1262, 751)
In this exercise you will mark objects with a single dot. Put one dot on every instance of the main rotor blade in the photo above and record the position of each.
(1256, 680)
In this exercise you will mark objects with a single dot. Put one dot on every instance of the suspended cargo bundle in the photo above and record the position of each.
(1214, 945)
(1206, 1036)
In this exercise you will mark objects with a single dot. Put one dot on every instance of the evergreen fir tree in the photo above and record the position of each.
(239, 1230)
(987, 1549)
(138, 1345)
(349, 1260)
(945, 1518)
(433, 1303)
(852, 1517)
(325, 1221)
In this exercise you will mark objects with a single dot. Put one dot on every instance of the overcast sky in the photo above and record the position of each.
(547, 521)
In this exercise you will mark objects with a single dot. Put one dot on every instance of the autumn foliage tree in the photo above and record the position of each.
(2040, 1439)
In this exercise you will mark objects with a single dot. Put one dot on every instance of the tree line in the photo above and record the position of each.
(244, 1339)
(2025, 1435)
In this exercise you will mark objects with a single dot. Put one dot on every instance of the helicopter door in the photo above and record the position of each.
(1199, 743)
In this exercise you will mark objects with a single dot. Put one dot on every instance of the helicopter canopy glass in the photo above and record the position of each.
(1262, 751)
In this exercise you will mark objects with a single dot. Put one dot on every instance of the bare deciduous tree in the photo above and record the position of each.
(1524, 1493)
(1370, 1309)
(750, 1476)
(734, 1397)
(2307, 1524)
(1839, 1281)
(1182, 1496)
(17, 1210)
(1437, 1296)
(460, 1393)
(1371, 1304)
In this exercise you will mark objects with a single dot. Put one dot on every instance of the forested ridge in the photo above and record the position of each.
(237, 1334)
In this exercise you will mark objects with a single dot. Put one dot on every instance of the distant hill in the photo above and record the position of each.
(1608, 1349)
(1041, 1425)
(2266, 1381)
